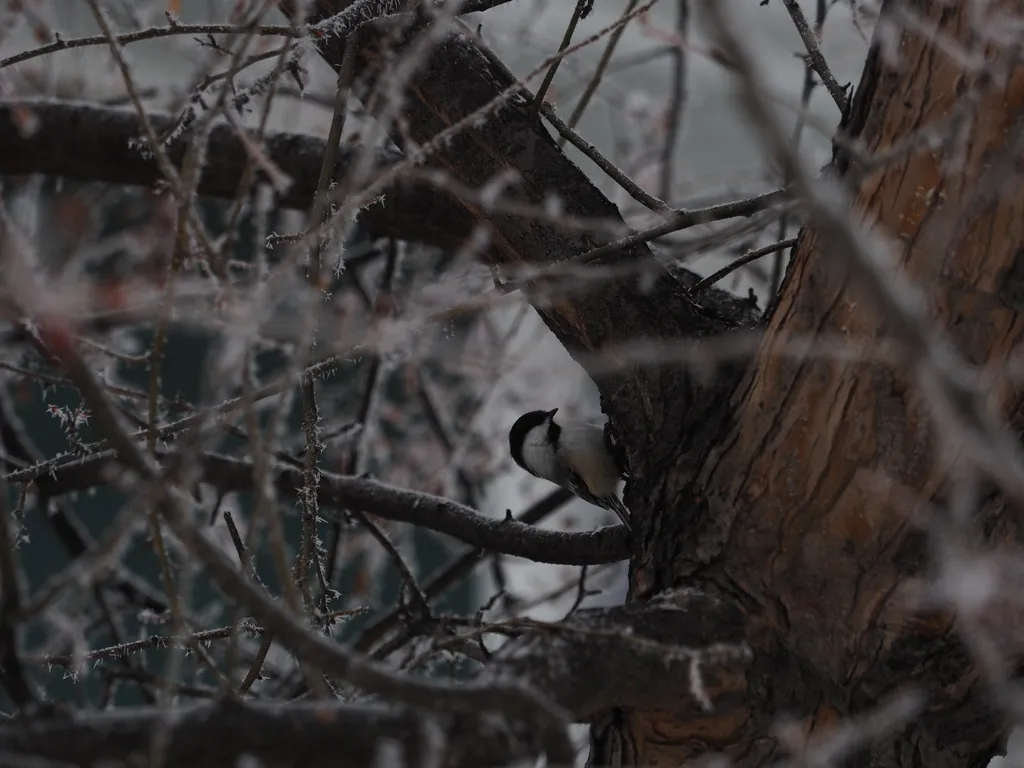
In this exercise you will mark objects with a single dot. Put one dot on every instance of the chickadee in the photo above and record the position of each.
(579, 456)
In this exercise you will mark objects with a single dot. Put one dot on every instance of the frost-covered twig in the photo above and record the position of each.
(122, 650)
(815, 58)
(153, 33)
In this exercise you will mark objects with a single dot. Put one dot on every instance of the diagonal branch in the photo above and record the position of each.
(815, 59)
(456, 80)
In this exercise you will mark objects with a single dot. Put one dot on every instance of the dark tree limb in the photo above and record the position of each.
(692, 644)
(91, 143)
(459, 568)
(509, 537)
(603, 545)
(296, 735)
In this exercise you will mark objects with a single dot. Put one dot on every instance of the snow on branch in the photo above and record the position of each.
(683, 651)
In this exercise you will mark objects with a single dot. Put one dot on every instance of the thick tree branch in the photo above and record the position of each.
(692, 644)
(91, 143)
(443, 515)
(295, 735)
(603, 545)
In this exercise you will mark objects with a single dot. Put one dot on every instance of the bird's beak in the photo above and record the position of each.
(551, 413)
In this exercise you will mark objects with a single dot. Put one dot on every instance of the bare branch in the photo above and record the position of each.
(632, 645)
(814, 57)
(153, 33)
(299, 734)
(340, 491)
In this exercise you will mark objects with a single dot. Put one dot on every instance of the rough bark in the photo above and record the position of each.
(788, 515)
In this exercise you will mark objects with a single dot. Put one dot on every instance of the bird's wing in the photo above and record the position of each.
(575, 484)
(578, 487)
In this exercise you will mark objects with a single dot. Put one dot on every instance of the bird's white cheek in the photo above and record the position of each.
(540, 461)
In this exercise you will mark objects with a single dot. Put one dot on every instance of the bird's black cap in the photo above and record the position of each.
(524, 424)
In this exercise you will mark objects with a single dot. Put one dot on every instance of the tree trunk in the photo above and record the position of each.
(805, 511)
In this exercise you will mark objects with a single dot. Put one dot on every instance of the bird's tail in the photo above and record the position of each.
(616, 506)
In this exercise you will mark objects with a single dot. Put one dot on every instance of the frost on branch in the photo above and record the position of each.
(682, 652)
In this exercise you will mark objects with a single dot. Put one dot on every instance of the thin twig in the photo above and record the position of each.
(614, 172)
(311, 413)
(581, 590)
(382, 306)
(538, 100)
(153, 33)
(257, 664)
(798, 129)
(602, 65)
(815, 59)
(633, 60)
(432, 411)
(677, 97)
(12, 672)
(268, 637)
(683, 218)
(416, 594)
(120, 651)
(749, 256)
